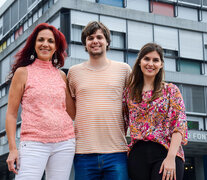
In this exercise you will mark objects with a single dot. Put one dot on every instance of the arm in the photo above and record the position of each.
(15, 94)
(169, 162)
(70, 105)
(125, 111)
(178, 129)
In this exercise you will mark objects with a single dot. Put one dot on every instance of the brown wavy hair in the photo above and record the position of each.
(136, 80)
(22, 58)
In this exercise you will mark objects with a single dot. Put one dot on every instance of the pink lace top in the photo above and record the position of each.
(44, 116)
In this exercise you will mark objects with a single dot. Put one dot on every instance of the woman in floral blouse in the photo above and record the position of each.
(155, 112)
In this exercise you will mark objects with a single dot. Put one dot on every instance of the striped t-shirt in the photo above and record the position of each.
(99, 124)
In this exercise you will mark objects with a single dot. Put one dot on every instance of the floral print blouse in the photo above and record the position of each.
(156, 120)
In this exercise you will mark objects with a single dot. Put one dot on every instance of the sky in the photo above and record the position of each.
(2, 2)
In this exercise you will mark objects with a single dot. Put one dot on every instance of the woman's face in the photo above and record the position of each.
(150, 64)
(45, 45)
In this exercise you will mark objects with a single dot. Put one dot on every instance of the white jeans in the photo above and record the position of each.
(55, 158)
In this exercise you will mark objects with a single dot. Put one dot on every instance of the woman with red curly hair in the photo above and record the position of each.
(47, 136)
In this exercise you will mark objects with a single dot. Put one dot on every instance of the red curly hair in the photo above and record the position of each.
(22, 58)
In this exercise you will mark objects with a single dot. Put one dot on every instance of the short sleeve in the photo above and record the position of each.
(125, 110)
(176, 113)
(71, 84)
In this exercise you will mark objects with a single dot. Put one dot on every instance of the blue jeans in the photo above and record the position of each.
(111, 166)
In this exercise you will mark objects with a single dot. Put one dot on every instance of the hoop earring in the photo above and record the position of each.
(55, 60)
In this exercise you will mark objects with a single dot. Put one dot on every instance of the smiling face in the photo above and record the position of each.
(45, 45)
(151, 64)
(96, 43)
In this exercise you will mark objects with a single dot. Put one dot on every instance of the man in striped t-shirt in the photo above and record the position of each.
(96, 86)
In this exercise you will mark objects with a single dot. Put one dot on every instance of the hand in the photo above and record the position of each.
(12, 160)
(168, 168)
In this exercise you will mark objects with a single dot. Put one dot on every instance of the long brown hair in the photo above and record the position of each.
(136, 80)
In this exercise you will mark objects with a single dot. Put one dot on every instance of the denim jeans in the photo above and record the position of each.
(111, 166)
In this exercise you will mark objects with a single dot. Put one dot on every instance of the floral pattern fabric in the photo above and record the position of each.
(156, 120)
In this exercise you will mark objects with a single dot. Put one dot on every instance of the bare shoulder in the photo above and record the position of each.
(21, 74)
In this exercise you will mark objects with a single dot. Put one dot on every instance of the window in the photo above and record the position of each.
(194, 98)
(1, 28)
(162, 8)
(197, 2)
(170, 64)
(2, 117)
(119, 3)
(30, 2)
(117, 40)
(45, 7)
(139, 34)
(195, 122)
(192, 125)
(167, 37)
(132, 56)
(205, 68)
(22, 8)
(205, 2)
(76, 33)
(14, 13)
(187, 48)
(5, 69)
(205, 51)
(6, 21)
(188, 66)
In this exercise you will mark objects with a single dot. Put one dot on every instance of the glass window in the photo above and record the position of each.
(187, 48)
(205, 51)
(55, 21)
(139, 34)
(25, 26)
(51, 2)
(2, 117)
(76, 33)
(14, 13)
(205, 69)
(1, 28)
(45, 7)
(205, 2)
(132, 56)
(22, 8)
(195, 122)
(170, 64)
(5, 69)
(6, 21)
(166, 37)
(30, 21)
(162, 8)
(3, 92)
(193, 125)
(197, 2)
(194, 98)
(191, 67)
(30, 2)
(117, 40)
(40, 12)
(119, 3)
(35, 17)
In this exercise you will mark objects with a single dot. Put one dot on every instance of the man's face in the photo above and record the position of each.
(96, 43)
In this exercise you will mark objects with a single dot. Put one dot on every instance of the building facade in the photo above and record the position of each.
(179, 26)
